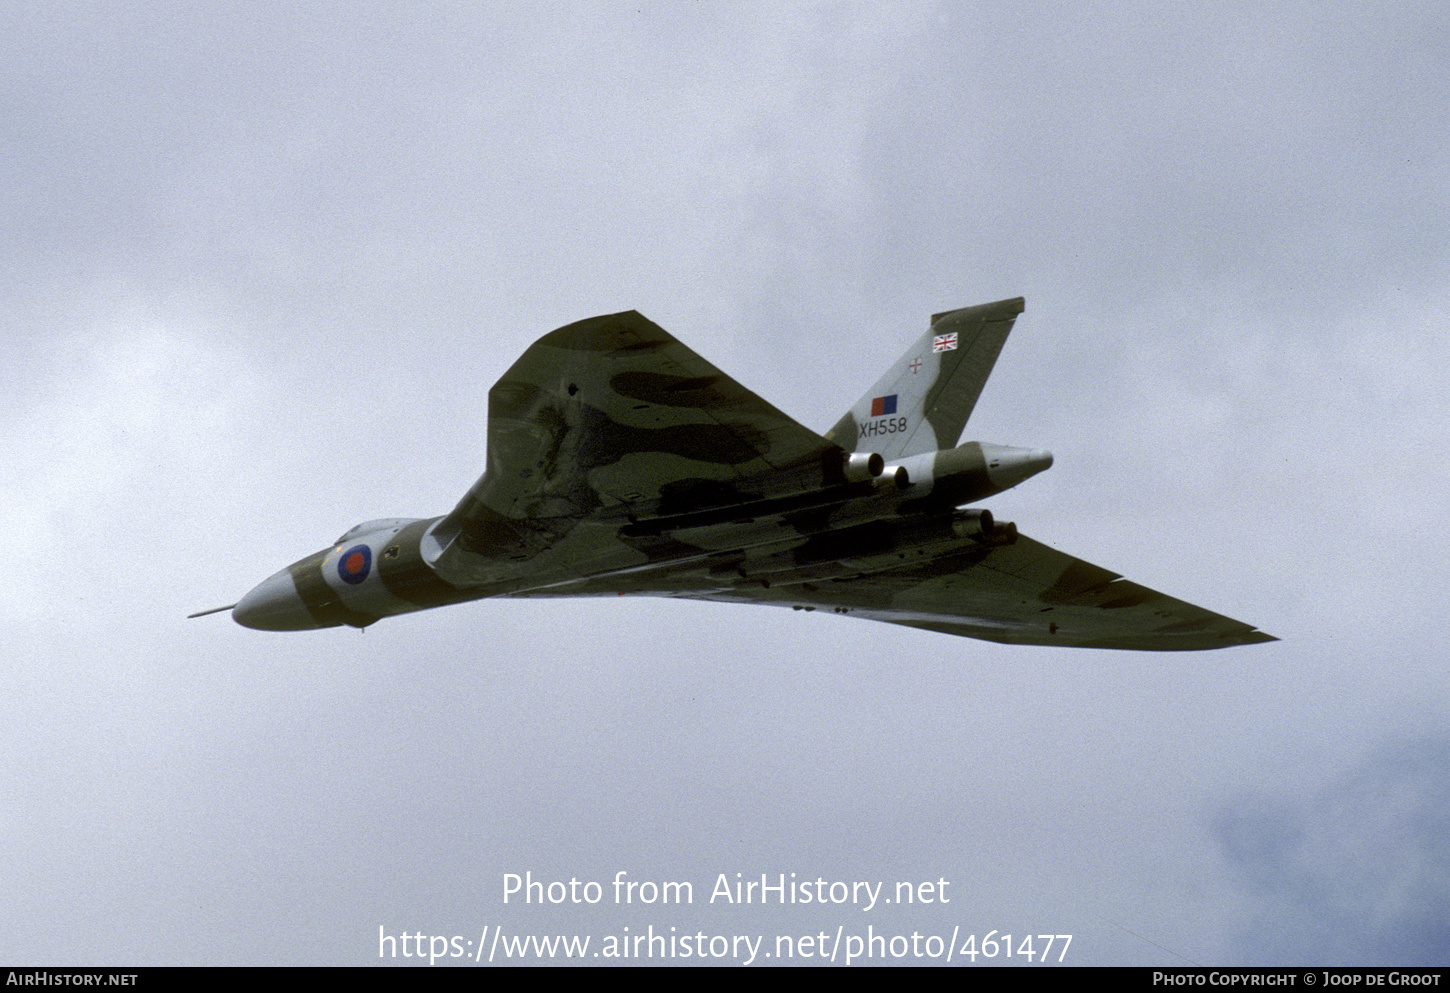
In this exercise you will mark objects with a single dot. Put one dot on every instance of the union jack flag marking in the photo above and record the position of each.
(944, 342)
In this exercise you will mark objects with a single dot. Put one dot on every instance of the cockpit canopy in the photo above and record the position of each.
(368, 527)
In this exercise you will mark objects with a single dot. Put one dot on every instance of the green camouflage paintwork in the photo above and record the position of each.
(620, 462)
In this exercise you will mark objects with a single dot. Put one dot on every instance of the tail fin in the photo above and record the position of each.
(924, 400)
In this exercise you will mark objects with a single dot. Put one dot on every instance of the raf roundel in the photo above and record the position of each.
(354, 564)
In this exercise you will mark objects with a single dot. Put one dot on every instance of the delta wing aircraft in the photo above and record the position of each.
(620, 462)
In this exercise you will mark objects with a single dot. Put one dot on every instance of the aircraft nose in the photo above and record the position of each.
(274, 605)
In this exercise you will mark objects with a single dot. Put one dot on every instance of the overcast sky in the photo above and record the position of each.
(261, 264)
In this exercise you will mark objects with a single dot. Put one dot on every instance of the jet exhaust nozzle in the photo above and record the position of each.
(863, 466)
(895, 477)
(979, 526)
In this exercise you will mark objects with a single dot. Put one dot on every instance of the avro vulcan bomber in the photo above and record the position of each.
(620, 463)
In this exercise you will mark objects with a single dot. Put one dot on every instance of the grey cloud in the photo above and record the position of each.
(1356, 874)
